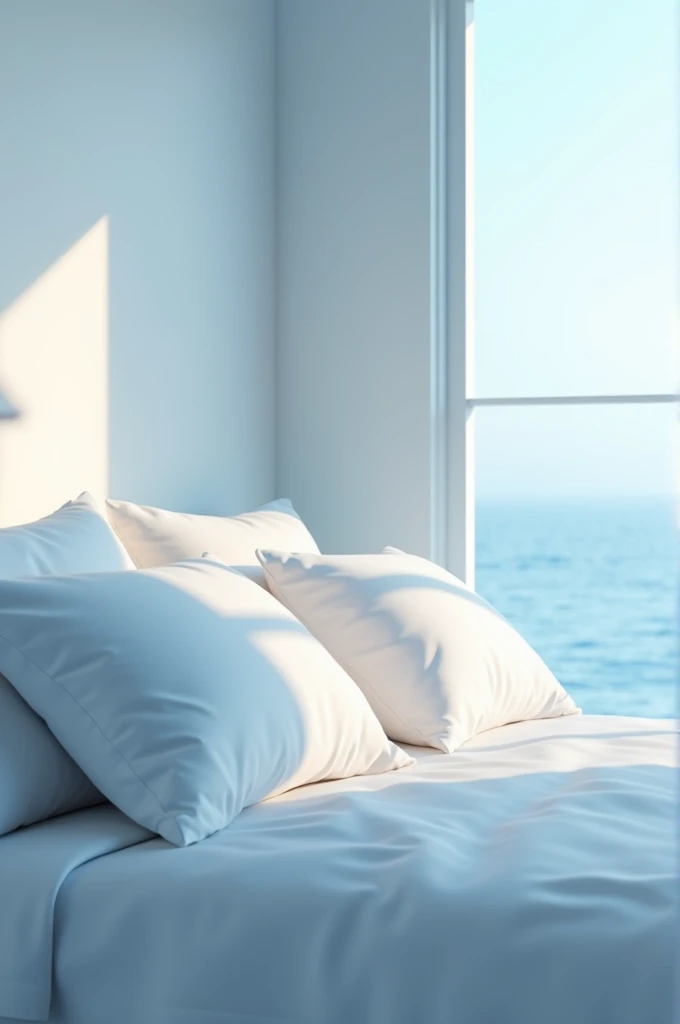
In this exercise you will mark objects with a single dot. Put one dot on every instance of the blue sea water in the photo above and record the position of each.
(593, 587)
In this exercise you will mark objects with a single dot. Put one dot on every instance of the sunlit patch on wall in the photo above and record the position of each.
(54, 361)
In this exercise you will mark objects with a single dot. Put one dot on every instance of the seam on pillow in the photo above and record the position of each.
(84, 710)
(353, 673)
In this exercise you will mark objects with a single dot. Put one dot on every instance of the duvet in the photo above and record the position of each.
(529, 878)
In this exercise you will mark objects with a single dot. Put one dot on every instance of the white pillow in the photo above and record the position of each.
(156, 536)
(75, 538)
(185, 692)
(37, 777)
(436, 662)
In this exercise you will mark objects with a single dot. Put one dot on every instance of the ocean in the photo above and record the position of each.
(593, 587)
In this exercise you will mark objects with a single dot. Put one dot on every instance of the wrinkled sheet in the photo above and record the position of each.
(530, 877)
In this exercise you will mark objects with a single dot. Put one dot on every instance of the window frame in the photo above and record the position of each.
(452, 399)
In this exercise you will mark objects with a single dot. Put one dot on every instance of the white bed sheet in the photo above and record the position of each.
(529, 878)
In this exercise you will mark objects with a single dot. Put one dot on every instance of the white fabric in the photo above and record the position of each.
(75, 538)
(185, 692)
(436, 662)
(528, 878)
(156, 536)
(37, 777)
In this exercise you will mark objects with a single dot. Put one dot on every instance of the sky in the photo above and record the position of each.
(576, 234)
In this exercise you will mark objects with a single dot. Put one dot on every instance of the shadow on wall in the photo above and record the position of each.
(136, 240)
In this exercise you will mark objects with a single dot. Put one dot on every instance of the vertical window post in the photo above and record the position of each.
(451, 286)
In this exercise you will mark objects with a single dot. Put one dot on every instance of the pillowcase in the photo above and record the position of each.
(75, 538)
(155, 536)
(436, 662)
(37, 777)
(185, 692)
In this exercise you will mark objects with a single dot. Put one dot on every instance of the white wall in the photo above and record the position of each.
(353, 295)
(136, 252)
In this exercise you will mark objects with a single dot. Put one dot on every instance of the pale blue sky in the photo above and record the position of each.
(577, 241)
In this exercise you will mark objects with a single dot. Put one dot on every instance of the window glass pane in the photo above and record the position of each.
(577, 546)
(576, 196)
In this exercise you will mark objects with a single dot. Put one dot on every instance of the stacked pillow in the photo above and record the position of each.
(154, 536)
(183, 692)
(37, 777)
(437, 663)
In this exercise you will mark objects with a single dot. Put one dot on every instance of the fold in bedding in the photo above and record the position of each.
(34, 863)
(531, 876)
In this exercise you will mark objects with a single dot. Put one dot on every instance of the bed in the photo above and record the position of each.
(529, 877)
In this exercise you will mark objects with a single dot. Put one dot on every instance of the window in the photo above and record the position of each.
(554, 469)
